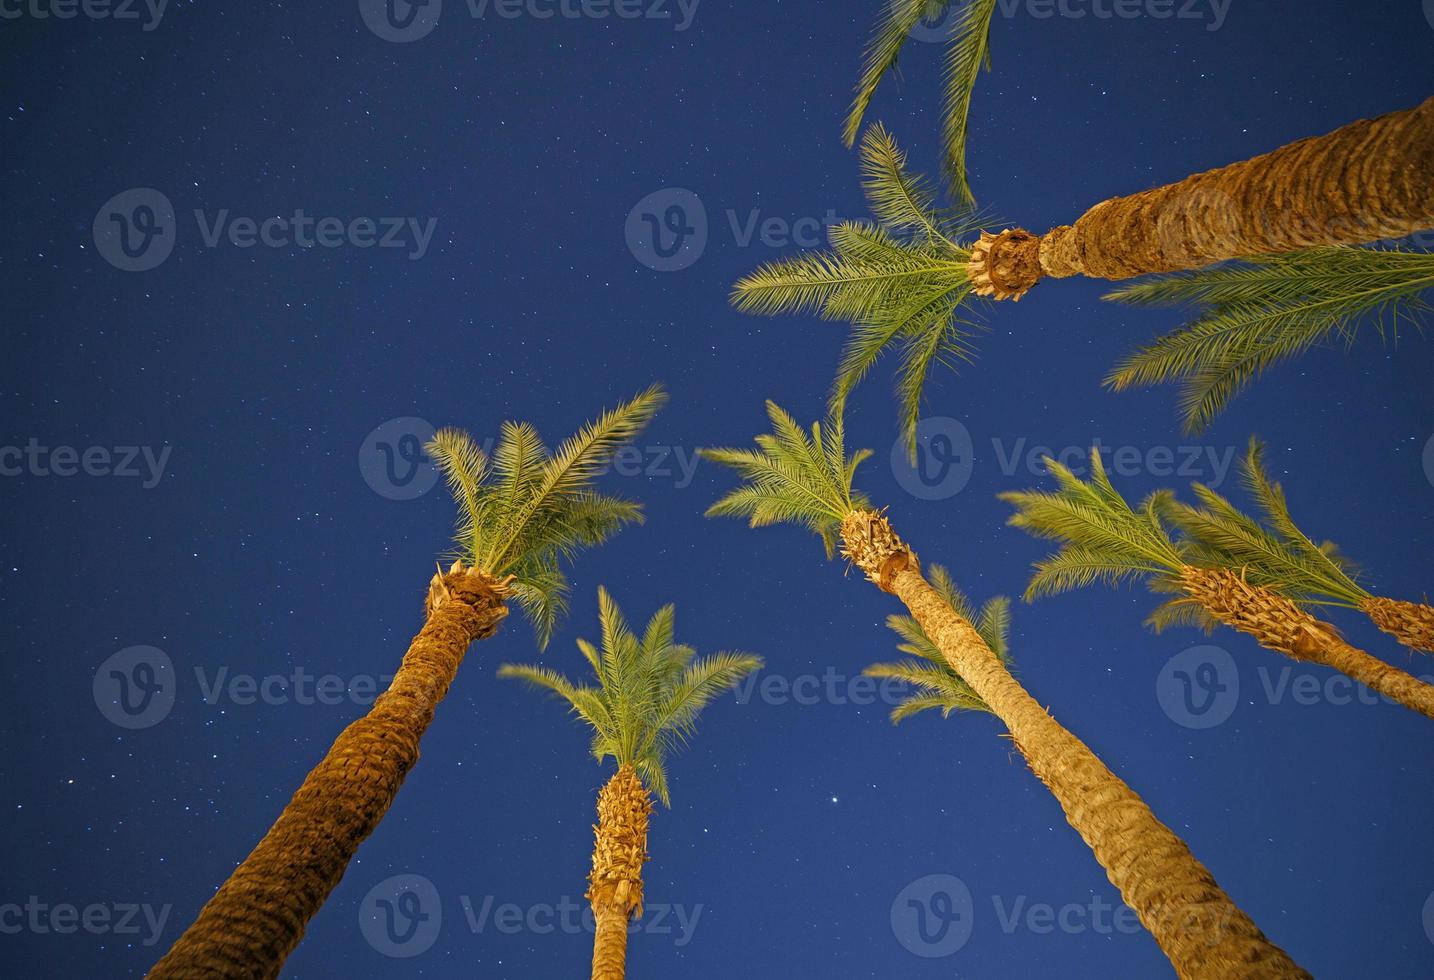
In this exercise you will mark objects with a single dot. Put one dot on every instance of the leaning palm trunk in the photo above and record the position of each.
(1370, 180)
(615, 884)
(1280, 625)
(258, 916)
(1412, 623)
(1198, 926)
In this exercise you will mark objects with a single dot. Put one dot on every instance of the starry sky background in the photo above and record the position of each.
(263, 548)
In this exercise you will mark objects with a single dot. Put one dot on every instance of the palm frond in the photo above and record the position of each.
(898, 20)
(648, 692)
(1102, 537)
(524, 513)
(793, 477)
(1274, 553)
(1259, 312)
(936, 684)
(901, 283)
(970, 51)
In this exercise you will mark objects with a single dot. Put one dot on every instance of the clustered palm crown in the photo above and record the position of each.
(1103, 538)
(936, 684)
(902, 282)
(794, 478)
(649, 691)
(524, 511)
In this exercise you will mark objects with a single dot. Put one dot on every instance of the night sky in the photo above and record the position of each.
(272, 519)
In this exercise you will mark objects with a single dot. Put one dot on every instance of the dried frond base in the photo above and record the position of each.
(1274, 621)
(1005, 266)
(1410, 622)
(620, 844)
(870, 543)
(486, 596)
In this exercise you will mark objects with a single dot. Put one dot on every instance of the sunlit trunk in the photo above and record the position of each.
(1370, 180)
(1199, 928)
(615, 883)
(1411, 622)
(259, 915)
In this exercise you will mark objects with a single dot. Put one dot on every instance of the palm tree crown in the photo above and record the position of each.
(525, 511)
(937, 684)
(1272, 553)
(1266, 310)
(901, 281)
(648, 694)
(970, 51)
(794, 478)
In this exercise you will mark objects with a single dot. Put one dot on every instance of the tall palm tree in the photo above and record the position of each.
(645, 704)
(907, 279)
(522, 515)
(793, 477)
(1257, 313)
(1104, 539)
(1273, 553)
(969, 52)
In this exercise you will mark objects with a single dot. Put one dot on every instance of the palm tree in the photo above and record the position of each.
(1257, 313)
(908, 278)
(649, 692)
(522, 515)
(1275, 554)
(969, 52)
(1104, 539)
(793, 477)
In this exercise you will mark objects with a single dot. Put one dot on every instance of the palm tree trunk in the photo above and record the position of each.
(1280, 625)
(1369, 180)
(1411, 622)
(1198, 926)
(615, 883)
(258, 916)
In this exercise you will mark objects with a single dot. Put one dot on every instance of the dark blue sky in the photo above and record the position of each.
(262, 536)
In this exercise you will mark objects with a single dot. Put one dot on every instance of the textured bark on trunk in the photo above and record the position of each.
(1280, 625)
(258, 916)
(615, 882)
(1198, 926)
(1370, 180)
(1411, 622)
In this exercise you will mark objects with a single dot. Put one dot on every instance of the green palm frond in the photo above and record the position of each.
(969, 52)
(1103, 539)
(526, 512)
(1262, 311)
(793, 478)
(936, 684)
(648, 694)
(901, 283)
(1273, 552)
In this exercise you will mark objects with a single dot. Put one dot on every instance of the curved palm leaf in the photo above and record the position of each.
(1263, 311)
